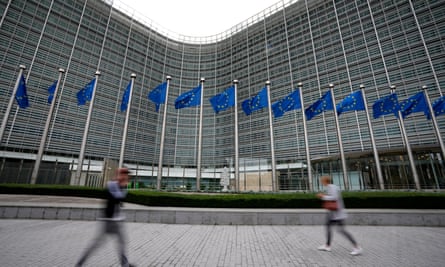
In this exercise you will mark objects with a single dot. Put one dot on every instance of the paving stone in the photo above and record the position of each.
(61, 242)
(200, 237)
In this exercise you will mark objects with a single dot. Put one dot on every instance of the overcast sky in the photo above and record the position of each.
(199, 17)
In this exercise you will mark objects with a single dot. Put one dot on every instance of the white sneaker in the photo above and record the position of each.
(356, 251)
(324, 248)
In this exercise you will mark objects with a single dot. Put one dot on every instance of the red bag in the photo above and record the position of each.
(330, 204)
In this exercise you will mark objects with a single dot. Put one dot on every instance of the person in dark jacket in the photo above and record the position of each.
(116, 193)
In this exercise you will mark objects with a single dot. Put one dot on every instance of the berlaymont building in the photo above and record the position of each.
(323, 50)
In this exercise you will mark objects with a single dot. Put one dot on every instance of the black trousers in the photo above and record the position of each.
(341, 230)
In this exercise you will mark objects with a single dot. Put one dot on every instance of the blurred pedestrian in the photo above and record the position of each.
(113, 219)
(336, 215)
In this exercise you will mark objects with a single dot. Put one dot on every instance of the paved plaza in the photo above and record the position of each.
(61, 242)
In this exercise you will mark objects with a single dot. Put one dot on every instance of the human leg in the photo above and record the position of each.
(357, 249)
(92, 247)
(118, 231)
(342, 230)
(329, 222)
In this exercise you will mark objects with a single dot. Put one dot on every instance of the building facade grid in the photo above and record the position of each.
(347, 43)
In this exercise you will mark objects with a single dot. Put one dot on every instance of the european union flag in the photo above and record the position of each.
(386, 105)
(290, 102)
(255, 103)
(86, 93)
(189, 99)
(126, 97)
(21, 96)
(353, 101)
(51, 91)
(416, 103)
(321, 105)
(158, 95)
(223, 100)
(438, 107)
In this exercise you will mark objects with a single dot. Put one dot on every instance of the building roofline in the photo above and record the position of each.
(151, 24)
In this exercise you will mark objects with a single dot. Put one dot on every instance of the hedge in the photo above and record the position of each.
(352, 199)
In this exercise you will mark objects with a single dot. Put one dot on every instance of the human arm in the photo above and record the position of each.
(116, 191)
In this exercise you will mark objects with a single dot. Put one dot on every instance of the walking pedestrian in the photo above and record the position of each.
(113, 219)
(335, 215)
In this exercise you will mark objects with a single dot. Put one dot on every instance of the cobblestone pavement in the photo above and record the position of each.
(60, 243)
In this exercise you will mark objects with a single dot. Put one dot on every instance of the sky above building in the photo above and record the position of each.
(198, 17)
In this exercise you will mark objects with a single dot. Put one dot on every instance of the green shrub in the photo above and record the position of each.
(52, 190)
(365, 200)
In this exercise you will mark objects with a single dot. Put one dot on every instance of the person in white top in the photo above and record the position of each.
(336, 216)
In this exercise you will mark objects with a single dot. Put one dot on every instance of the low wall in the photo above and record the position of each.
(230, 216)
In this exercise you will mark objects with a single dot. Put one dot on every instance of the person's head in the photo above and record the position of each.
(122, 176)
(325, 180)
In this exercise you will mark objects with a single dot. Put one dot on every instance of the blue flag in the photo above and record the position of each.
(353, 101)
(223, 100)
(255, 103)
(290, 102)
(21, 96)
(126, 97)
(416, 103)
(51, 91)
(86, 93)
(321, 105)
(189, 99)
(386, 105)
(158, 95)
(438, 107)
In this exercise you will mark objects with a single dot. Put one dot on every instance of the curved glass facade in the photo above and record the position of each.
(347, 43)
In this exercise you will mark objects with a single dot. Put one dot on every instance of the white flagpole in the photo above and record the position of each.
(340, 143)
(374, 147)
(235, 84)
(85, 133)
(35, 171)
(161, 148)
(127, 118)
(306, 140)
(198, 167)
(11, 102)
(272, 144)
(407, 145)
(433, 118)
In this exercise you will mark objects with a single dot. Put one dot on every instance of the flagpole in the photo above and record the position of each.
(11, 102)
(306, 140)
(35, 171)
(272, 144)
(407, 145)
(340, 143)
(433, 118)
(198, 167)
(85, 132)
(374, 147)
(161, 148)
(235, 84)
(127, 118)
